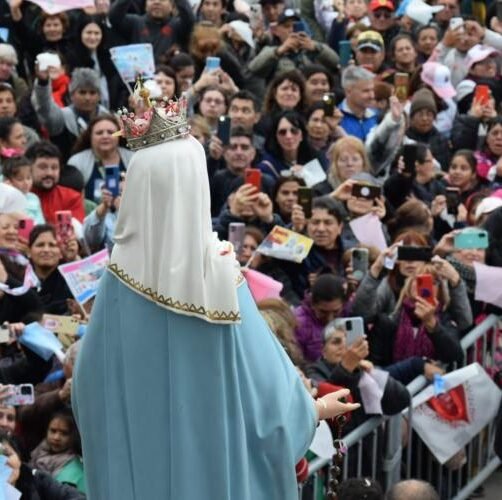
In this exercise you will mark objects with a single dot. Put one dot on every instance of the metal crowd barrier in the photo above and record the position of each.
(413, 459)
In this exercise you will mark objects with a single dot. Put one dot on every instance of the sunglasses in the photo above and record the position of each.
(384, 14)
(284, 131)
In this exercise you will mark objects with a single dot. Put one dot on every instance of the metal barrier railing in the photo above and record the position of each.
(413, 460)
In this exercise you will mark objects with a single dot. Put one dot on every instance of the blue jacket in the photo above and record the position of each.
(355, 126)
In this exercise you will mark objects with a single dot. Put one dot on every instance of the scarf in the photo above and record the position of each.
(467, 273)
(52, 463)
(412, 338)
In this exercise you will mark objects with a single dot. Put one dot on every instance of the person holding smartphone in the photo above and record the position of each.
(415, 177)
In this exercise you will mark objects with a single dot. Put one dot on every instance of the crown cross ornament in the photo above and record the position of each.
(155, 121)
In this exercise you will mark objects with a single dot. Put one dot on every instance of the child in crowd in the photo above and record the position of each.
(17, 173)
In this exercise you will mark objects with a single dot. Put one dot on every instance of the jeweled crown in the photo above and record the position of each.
(155, 120)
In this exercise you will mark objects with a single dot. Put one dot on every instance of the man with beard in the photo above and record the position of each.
(46, 169)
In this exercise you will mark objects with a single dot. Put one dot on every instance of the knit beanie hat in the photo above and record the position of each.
(423, 99)
(84, 78)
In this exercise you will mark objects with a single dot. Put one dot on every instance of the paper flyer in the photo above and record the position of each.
(133, 60)
(284, 244)
(82, 276)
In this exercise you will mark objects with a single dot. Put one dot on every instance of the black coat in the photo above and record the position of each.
(395, 397)
(38, 485)
(440, 148)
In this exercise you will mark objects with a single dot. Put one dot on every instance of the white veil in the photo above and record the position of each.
(164, 245)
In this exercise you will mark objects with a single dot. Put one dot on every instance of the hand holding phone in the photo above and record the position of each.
(452, 195)
(20, 395)
(482, 95)
(409, 158)
(112, 179)
(367, 191)
(401, 84)
(24, 228)
(360, 263)
(328, 101)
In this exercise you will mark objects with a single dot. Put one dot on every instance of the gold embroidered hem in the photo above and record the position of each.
(176, 305)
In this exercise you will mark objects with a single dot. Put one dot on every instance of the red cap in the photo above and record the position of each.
(381, 4)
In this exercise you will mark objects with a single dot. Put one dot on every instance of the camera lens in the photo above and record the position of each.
(349, 325)
(25, 391)
(365, 192)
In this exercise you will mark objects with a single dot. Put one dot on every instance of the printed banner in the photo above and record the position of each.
(448, 422)
(133, 60)
(56, 6)
(285, 244)
(82, 276)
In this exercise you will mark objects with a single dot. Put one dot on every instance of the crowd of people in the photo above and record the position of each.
(373, 97)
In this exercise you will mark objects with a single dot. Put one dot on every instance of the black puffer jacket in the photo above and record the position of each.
(440, 148)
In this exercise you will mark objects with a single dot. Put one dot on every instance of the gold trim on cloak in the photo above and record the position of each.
(176, 305)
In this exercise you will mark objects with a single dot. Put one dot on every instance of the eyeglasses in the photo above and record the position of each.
(284, 131)
(383, 14)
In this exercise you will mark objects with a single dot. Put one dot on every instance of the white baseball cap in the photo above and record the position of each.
(421, 12)
(438, 76)
(244, 31)
(487, 206)
(478, 53)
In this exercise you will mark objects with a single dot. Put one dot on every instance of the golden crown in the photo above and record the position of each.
(155, 121)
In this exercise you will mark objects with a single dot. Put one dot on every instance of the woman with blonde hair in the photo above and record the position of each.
(348, 157)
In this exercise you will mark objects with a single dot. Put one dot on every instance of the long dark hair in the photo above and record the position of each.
(83, 141)
(294, 76)
(305, 152)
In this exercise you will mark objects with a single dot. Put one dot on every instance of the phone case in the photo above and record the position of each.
(305, 201)
(482, 94)
(112, 179)
(224, 125)
(414, 253)
(401, 84)
(299, 27)
(354, 328)
(359, 263)
(64, 227)
(24, 395)
(236, 232)
(366, 191)
(212, 63)
(253, 176)
(328, 101)
(24, 228)
(425, 287)
(345, 52)
(471, 238)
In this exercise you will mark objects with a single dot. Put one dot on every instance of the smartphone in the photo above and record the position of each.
(354, 328)
(64, 226)
(255, 15)
(425, 287)
(4, 335)
(236, 233)
(499, 10)
(366, 191)
(60, 324)
(471, 237)
(414, 253)
(224, 125)
(344, 52)
(360, 263)
(112, 179)
(456, 23)
(24, 228)
(452, 195)
(409, 158)
(329, 101)
(401, 85)
(212, 64)
(482, 94)
(253, 176)
(305, 201)
(24, 394)
(299, 27)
